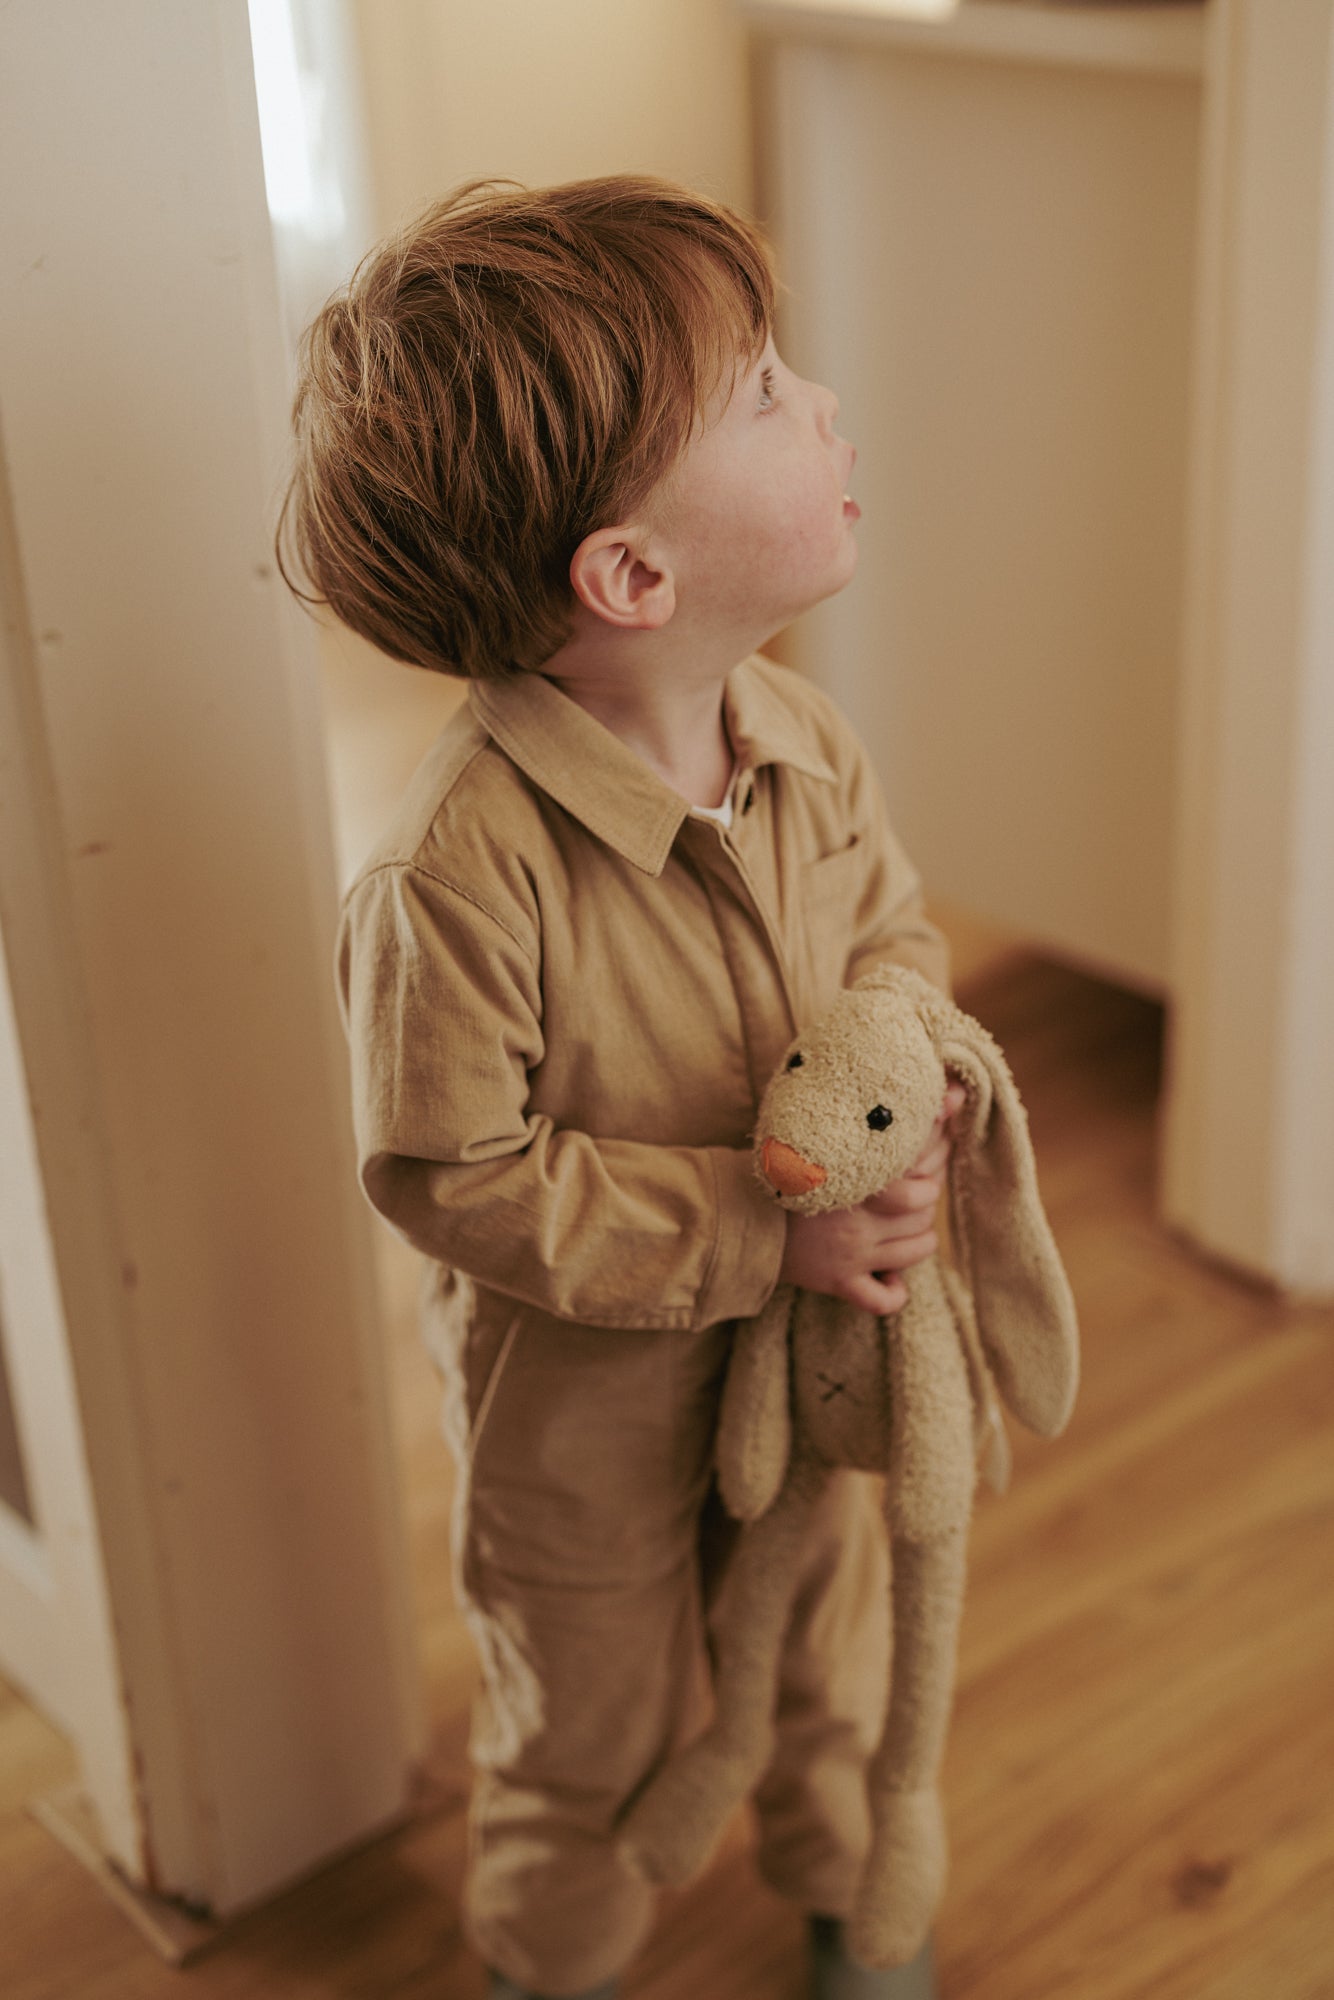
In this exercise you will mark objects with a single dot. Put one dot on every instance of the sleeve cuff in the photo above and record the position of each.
(752, 1236)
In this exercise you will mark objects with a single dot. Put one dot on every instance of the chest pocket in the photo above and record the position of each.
(830, 887)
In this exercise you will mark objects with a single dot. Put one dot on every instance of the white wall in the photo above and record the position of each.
(547, 92)
(992, 262)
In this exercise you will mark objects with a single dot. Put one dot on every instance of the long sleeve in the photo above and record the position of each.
(443, 1008)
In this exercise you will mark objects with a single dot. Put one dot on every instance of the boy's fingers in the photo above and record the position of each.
(874, 1295)
(933, 1161)
(900, 1253)
(894, 1231)
(906, 1197)
(936, 1152)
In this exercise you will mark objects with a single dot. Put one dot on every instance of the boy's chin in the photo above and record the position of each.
(797, 608)
(840, 580)
(843, 568)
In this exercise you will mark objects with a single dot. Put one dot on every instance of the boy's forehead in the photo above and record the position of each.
(751, 363)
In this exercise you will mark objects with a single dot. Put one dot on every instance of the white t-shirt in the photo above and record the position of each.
(722, 813)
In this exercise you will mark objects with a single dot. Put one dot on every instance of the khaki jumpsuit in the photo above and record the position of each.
(564, 993)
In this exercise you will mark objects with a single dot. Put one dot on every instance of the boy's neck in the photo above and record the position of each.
(668, 709)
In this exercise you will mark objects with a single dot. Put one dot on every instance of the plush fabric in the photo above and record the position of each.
(505, 1989)
(836, 1975)
(814, 1383)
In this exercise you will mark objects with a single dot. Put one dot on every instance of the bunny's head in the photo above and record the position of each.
(853, 1103)
(851, 1108)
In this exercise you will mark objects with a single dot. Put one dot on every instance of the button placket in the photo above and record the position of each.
(737, 911)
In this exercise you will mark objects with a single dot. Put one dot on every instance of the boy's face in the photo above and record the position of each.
(755, 518)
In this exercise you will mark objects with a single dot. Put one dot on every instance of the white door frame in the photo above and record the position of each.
(1249, 1138)
(252, 1703)
(56, 1636)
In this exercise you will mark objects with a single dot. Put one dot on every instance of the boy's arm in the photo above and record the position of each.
(442, 1005)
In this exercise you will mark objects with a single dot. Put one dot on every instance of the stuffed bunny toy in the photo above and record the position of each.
(814, 1383)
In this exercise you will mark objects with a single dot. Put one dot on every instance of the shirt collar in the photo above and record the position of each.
(763, 724)
(600, 780)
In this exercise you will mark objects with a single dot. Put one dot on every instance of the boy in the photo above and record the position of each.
(545, 442)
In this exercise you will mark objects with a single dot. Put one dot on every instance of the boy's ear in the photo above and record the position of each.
(615, 574)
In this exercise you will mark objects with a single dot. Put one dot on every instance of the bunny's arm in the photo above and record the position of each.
(755, 1423)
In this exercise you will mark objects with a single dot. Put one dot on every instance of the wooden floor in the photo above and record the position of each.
(1141, 1774)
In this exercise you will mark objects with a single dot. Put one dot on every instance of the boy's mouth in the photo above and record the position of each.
(851, 511)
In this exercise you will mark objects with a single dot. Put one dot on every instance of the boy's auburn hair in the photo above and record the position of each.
(515, 369)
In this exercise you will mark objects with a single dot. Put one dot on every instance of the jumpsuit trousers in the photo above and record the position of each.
(589, 1549)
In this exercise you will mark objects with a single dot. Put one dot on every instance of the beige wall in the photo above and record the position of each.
(993, 263)
(546, 92)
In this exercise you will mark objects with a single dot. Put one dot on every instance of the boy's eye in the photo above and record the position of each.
(767, 389)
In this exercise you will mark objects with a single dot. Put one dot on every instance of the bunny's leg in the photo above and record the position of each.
(905, 1871)
(669, 1831)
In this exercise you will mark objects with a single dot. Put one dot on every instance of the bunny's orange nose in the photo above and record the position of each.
(784, 1169)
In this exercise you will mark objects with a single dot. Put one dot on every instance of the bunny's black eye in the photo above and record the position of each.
(793, 1062)
(879, 1118)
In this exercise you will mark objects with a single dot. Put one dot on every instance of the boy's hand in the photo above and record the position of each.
(857, 1253)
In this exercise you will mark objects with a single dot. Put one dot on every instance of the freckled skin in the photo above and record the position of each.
(754, 523)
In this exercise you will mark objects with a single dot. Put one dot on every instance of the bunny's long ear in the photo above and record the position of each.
(1025, 1311)
(755, 1423)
